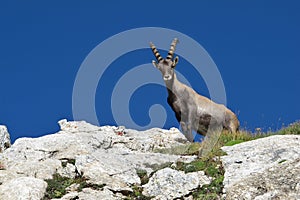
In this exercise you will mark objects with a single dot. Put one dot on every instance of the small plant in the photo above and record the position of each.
(137, 194)
(293, 129)
(212, 168)
(228, 138)
(143, 176)
(185, 149)
(57, 186)
(233, 142)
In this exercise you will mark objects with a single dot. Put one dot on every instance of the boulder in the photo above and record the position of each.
(168, 183)
(4, 138)
(281, 181)
(23, 188)
(263, 168)
(100, 155)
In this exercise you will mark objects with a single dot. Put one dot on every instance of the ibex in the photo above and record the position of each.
(193, 111)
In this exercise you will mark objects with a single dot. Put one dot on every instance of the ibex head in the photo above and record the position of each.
(166, 66)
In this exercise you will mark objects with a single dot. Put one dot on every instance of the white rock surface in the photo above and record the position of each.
(252, 165)
(267, 168)
(281, 181)
(103, 155)
(23, 188)
(168, 183)
(4, 138)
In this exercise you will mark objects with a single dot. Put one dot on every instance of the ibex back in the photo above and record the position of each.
(193, 111)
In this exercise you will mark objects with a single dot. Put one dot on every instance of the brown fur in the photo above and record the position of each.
(193, 111)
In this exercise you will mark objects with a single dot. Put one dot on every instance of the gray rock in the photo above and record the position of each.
(89, 194)
(117, 168)
(168, 183)
(257, 163)
(281, 181)
(103, 155)
(4, 138)
(154, 138)
(68, 171)
(23, 188)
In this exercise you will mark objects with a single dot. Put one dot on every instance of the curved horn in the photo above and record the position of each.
(155, 52)
(172, 49)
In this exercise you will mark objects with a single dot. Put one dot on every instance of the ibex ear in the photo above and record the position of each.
(175, 61)
(154, 64)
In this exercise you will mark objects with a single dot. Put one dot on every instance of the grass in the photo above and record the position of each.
(233, 142)
(57, 186)
(143, 176)
(212, 166)
(137, 194)
(229, 139)
(292, 129)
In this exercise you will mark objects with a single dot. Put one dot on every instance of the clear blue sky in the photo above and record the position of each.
(255, 45)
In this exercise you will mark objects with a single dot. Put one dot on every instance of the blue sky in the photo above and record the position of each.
(254, 44)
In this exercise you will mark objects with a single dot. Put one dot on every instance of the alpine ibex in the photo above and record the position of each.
(193, 111)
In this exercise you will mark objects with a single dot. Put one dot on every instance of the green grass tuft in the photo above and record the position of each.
(57, 186)
(292, 129)
(233, 142)
(143, 176)
(137, 194)
(212, 168)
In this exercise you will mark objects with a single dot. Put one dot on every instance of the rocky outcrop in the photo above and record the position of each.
(23, 188)
(281, 181)
(168, 183)
(89, 162)
(104, 156)
(267, 168)
(4, 138)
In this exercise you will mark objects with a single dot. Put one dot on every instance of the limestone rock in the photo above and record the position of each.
(4, 138)
(69, 170)
(168, 183)
(23, 188)
(258, 166)
(281, 181)
(154, 138)
(102, 155)
(90, 194)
